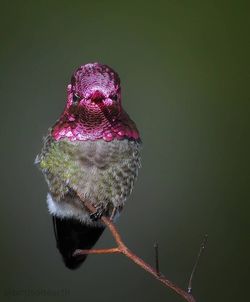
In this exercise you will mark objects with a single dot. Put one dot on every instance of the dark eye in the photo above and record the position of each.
(114, 97)
(76, 98)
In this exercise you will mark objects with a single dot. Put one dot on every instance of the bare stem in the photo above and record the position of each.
(114, 250)
(156, 246)
(123, 249)
(201, 250)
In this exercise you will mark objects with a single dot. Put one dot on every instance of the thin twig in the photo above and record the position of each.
(201, 250)
(156, 246)
(123, 249)
(113, 250)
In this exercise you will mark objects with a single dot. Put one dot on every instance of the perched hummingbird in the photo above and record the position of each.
(92, 151)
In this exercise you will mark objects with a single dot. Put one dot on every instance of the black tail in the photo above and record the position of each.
(71, 235)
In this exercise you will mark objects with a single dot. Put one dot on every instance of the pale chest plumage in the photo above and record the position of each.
(103, 172)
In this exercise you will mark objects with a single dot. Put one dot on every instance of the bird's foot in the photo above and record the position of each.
(98, 213)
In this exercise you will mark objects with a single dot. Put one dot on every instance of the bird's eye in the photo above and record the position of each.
(114, 97)
(76, 98)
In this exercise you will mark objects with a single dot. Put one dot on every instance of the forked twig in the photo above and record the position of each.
(123, 249)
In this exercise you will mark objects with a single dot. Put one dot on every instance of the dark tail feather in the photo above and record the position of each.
(71, 235)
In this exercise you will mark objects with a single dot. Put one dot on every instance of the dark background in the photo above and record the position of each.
(185, 74)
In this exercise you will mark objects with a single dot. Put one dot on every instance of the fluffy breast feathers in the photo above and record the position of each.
(103, 172)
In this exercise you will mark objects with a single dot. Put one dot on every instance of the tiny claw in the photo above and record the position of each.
(97, 214)
(76, 253)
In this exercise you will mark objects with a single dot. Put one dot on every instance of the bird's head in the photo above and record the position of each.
(94, 88)
(93, 109)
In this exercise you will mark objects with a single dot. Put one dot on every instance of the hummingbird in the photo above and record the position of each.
(92, 151)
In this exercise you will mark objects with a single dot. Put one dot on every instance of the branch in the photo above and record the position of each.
(157, 268)
(123, 249)
(202, 247)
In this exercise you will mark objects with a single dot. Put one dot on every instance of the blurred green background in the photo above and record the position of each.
(185, 74)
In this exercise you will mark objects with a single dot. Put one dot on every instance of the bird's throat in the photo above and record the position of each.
(92, 125)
